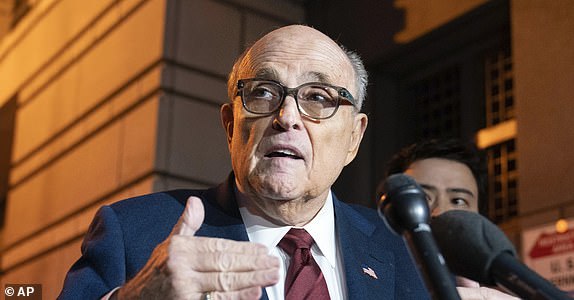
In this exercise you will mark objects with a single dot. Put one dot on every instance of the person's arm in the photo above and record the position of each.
(182, 266)
(186, 266)
(102, 264)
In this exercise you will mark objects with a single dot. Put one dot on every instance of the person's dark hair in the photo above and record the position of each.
(451, 149)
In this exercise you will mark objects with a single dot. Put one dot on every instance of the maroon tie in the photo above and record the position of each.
(304, 278)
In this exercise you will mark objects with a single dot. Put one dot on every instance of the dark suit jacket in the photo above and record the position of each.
(123, 235)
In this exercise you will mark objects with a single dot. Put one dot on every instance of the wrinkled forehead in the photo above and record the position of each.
(300, 54)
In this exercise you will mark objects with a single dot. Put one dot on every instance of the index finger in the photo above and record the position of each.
(199, 244)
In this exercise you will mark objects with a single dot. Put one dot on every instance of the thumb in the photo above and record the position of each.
(191, 219)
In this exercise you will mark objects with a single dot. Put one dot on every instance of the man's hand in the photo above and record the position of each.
(471, 290)
(186, 267)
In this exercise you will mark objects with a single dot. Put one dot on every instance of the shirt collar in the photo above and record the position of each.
(321, 228)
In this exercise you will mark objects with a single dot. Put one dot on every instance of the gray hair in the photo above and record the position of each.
(361, 76)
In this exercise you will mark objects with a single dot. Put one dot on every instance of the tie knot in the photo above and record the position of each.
(296, 239)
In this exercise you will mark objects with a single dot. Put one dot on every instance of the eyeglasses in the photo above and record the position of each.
(314, 99)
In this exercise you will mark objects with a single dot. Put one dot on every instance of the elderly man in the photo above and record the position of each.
(273, 229)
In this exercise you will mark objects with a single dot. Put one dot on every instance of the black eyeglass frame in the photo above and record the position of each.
(342, 92)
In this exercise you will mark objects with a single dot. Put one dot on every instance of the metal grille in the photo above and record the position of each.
(502, 181)
(499, 88)
(502, 165)
(437, 101)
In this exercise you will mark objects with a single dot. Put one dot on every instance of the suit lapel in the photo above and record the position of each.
(222, 217)
(363, 259)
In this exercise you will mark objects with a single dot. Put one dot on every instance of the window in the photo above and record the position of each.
(498, 88)
(501, 157)
(437, 102)
(502, 181)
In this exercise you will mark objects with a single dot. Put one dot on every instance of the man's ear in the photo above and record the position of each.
(226, 113)
(359, 126)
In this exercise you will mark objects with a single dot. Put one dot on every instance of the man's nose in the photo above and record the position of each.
(441, 205)
(288, 116)
(435, 206)
(435, 211)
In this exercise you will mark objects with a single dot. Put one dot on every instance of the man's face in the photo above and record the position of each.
(448, 184)
(284, 162)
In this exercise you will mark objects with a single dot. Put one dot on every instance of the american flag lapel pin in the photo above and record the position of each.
(367, 270)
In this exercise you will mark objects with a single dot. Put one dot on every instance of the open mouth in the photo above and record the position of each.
(284, 153)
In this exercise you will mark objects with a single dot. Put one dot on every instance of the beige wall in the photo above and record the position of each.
(85, 128)
(542, 43)
(6, 7)
(422, 17)
(116, 99)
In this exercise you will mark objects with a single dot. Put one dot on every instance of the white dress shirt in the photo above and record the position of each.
(325, 250)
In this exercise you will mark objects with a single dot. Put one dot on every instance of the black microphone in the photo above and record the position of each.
(404, 207)
(477, 249)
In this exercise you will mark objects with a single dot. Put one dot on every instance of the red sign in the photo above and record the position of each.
(549, 244)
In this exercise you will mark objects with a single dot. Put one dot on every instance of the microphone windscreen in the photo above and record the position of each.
(397, 181)
(404, 203)
(470, 243)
